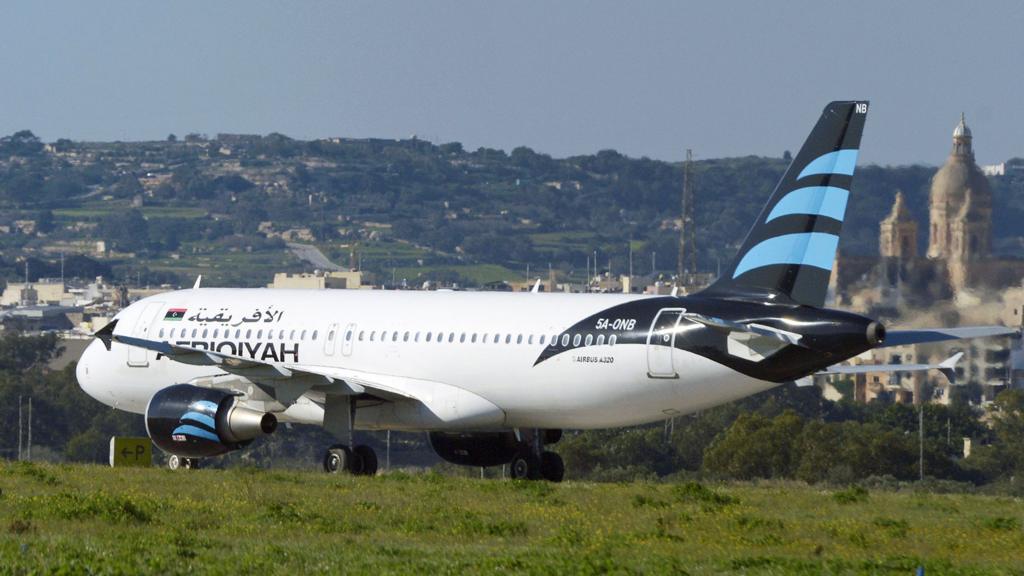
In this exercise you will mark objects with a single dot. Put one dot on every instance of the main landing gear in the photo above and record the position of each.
(346, 456)
(359, 461)
(532, 462)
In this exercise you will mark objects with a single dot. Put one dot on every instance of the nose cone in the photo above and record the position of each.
(89, 372)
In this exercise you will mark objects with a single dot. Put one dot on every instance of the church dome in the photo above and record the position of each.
(952, 182)
(958, 175)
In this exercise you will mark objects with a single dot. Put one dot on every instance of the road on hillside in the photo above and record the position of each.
(313, 255)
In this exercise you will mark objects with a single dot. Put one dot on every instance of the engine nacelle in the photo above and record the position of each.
(475, 448)
(199, 422)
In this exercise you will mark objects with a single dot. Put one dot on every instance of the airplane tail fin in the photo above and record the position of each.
(790, 250)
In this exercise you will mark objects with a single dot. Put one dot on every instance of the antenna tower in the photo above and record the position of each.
(687, 263)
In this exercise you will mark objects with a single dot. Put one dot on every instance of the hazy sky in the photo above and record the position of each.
(644, 78)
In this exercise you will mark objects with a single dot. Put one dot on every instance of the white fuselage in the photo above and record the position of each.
(439, 337)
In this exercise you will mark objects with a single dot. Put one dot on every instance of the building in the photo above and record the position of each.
(349, 279)
(958, 279)
(45, 292)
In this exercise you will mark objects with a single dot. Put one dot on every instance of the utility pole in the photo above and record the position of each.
(30, 428)
(687, 261)
(19, 427)
(920, 439)
(630, 259)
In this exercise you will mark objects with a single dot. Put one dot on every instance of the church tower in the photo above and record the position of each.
(898, 234)
(960, 204)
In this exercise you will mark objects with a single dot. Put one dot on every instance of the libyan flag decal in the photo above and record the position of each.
(175, 313)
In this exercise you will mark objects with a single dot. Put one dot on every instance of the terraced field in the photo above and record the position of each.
(91, 519)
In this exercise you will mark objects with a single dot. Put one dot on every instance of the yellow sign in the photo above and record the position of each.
(128, 451)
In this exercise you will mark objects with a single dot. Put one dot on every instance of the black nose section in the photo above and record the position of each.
(876, 333)
(106, 334)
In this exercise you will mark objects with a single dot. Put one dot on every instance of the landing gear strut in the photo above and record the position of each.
(339, 420)
(532, 462)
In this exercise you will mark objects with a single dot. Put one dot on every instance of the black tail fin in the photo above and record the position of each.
(790, 250)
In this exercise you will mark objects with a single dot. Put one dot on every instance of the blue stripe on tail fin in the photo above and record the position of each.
(789, 252)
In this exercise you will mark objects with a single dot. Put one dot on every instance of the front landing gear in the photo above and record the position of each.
(358, 461)
(175, 462)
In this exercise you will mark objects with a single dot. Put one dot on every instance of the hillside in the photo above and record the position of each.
(224, 207)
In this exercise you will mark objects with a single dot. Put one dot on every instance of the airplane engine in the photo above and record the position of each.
(476, 448)
(195, 422)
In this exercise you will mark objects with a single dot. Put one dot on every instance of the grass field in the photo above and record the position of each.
(91, 519)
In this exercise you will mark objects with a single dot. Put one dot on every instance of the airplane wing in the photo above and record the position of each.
(925, 335)
(751, 328)
(947, 367)
(285, 381)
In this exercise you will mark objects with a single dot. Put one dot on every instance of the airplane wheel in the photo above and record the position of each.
(368, 458)
(552, 468)
(174, 462)
(524, 466)
(339, 459)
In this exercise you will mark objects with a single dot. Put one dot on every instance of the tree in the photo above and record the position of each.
(756, 447)
(125, 231)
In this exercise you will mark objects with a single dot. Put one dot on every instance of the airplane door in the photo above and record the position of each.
(660, 343)
(332, 338)
(139, 357)
(349, 336)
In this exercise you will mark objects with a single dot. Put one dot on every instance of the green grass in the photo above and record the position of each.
(92, 519)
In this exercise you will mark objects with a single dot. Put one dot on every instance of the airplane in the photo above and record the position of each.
(494, 378)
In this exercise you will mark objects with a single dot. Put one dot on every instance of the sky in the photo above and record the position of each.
(564, 78)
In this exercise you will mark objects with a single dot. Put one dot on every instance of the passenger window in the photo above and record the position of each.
(406, 337)
(508, 338)
(248, 334)
(204, 332)
(529, 339)
(259, 334)
(590, 340)
(565, 340)
(270, 334)
(429, 336)
(519, 339)
(238, 332)
(394, 336)
(314, 335)
(373, 335)
(330, 336)
(360, 335)
(600, 339)
(291, 336)
(161, 332)
(451, 337)
(440, 336)
(280, 335)
(302, 336)
(576, 340)
(473, 339)
(462, 338)
(348, 336)
(416, 338)
(612, 339)
(542, 338)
